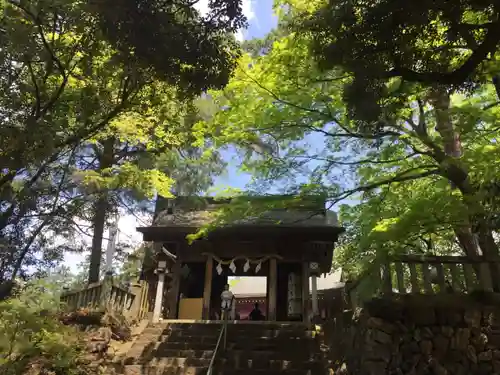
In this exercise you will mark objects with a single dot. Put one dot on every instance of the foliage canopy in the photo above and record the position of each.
(416, 158)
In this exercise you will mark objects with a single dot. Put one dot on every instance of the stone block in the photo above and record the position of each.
(410, 348)
(494, 339)
(441, 345)
(494, 318)
(487, 315)
(381, 337)
(485, 356)
(422, 316)
(484, 368)
(374, 368)
(426, 333)
(471, 354)
(449, 317)
(455, 356)
(417, 334)
(473, 318)
(460, 369)
(496, 354)
(447, 331)
(496, 365)
(438, 368)
(480, 341)
(381, 324)
(461, 339)
(378, 352)
(386, 309)
(426, 347)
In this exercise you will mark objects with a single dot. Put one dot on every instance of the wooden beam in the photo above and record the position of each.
(157, 312)
(173, 293)
(273, 286)
(209, 266)
(305, 292)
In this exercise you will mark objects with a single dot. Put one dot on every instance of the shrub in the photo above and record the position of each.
(33, 341)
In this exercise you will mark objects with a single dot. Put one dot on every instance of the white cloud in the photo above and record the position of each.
(248, 11)
(202, 7)
(240, 36)
(127, 233)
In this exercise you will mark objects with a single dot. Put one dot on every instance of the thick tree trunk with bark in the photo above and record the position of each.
(475, 235)
(106, 160)
(459, 178)
(440, 100)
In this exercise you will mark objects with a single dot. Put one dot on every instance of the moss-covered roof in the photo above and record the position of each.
(195, 212)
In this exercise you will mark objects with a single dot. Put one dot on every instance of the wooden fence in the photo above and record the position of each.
(415, 274)
(132, 303)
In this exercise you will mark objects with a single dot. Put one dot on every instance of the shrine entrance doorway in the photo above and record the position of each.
(248, 291)
(191, 287)
(239, 274)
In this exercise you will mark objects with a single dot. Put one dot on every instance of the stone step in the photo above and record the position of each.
(134, 357)
(223, 364)
(270, 355)
(176, 361)
(189, 370)
(142, 350)
(237, 323)
(241, 334)
(252, 345)
(263, 355)
(247, 341)
(161, 352)
(274, 364)
(187, 350)
(147, 369)
(155, 331)
(170, 361)
(237, 327)
(263, 372)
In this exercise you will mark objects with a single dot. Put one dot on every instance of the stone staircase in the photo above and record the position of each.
(257, 348)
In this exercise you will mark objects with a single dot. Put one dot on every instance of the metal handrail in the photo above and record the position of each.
(221, 334)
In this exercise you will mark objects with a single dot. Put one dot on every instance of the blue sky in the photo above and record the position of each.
(261, 20)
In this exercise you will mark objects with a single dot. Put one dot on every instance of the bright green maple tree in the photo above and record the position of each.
(423, 170)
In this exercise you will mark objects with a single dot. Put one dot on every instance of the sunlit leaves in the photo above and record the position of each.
(395, 165)
(65, 91)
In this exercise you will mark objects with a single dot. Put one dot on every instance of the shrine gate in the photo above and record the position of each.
(290, 247)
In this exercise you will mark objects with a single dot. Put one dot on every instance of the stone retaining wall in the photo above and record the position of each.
(417, 335)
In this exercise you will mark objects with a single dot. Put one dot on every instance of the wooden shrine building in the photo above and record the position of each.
(289, 247)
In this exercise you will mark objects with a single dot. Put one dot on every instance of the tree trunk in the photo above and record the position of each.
(440, 100)
(106, 160)
(459, 179)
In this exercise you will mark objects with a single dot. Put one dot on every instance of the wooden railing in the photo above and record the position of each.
(415, 274)
(132, 302)
(143, 301)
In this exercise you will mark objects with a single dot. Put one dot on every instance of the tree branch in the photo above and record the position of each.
(462, 73)
(399, 177)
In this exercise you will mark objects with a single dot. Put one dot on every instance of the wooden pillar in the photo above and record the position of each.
(159, 298)
(273, 286)
(173, 293)
(207, 292)
(314, 271)
(314, 295)
(305, 292)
